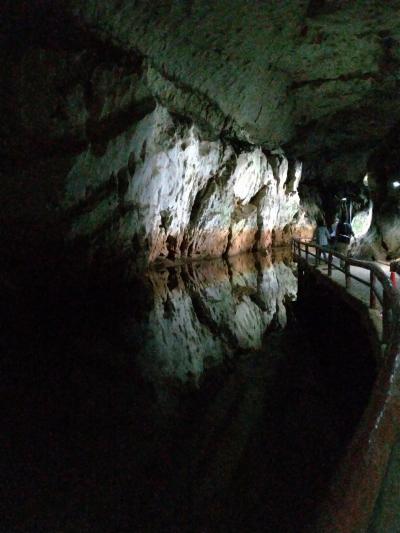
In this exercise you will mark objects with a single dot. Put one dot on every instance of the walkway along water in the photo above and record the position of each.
(358, 498)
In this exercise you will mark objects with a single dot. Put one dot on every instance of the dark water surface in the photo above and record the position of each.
(199, 398)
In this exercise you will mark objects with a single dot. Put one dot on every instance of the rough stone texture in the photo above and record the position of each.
(216, 202)
(267, 72)
(160, 191)
(383, 239)
(86, 162)
(64, 105)
(239, 299)
(382, 242)
(317, 81)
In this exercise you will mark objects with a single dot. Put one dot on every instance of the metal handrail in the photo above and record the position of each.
(389, 294)
(353, 494)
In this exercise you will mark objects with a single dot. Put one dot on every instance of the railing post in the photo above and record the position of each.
(347, 274)
(330, 258)
(372, 297)
(307, 252)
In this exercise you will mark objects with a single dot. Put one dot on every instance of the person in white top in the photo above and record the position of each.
(321, 237)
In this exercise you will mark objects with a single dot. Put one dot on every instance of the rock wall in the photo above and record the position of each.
(66, 101)
(267, 72)
(175, 195)
(382, 242)
(383, 238)
(93, 166)
(88, 149)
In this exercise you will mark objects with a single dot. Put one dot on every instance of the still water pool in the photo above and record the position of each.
(197, 398)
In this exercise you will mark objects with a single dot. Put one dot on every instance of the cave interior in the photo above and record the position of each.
(156, 158)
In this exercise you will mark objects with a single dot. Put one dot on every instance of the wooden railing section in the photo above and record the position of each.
(350, 505)
(380, 287)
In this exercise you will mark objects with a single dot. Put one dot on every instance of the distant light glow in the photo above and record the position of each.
(362, 221)
(344, 199)
(396, 184)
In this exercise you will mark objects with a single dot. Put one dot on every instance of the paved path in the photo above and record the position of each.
(357, 289)
(376, 464)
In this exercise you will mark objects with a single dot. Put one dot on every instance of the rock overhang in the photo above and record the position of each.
(314, 81)
(267, 71)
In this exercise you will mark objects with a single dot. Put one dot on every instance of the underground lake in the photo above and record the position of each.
(201, 397)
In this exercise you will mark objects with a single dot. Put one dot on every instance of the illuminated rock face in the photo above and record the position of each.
(178, 196)
(207, 312)
(85, 158)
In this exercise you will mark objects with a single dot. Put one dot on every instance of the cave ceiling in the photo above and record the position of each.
(316, 79)
(311, 77)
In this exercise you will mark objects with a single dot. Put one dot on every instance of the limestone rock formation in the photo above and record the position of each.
(172, 194)
(100, 100)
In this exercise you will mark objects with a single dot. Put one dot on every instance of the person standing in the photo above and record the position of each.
(321, 237)
(343, 235)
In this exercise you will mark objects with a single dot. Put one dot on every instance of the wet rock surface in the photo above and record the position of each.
(178, 402)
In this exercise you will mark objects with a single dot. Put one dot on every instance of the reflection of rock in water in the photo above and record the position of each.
(206, 312)
(114, 442)
(254, 446)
